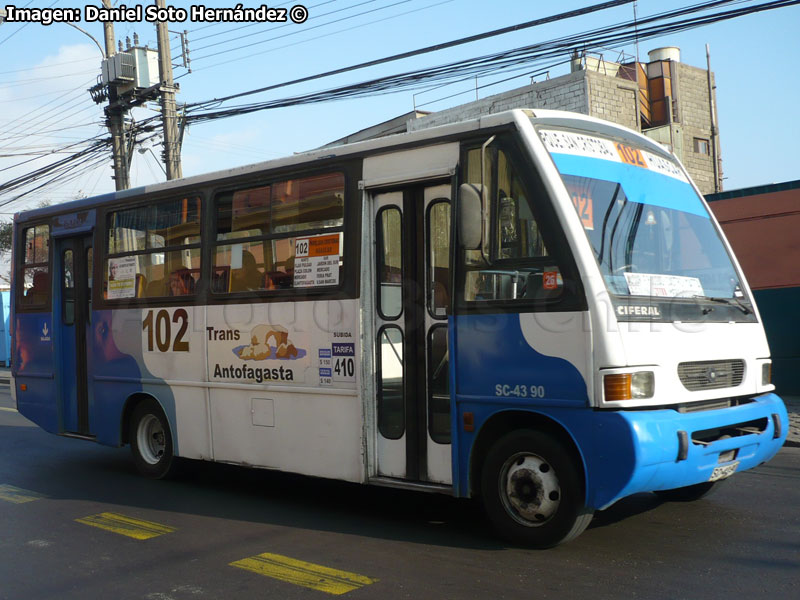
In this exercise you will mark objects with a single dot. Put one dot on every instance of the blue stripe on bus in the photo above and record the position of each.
(491, 351)
(640, 185)
(627, 452)
(44, 401)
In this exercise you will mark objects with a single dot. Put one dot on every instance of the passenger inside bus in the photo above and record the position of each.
(249, 277)
(39, 292)
(181, 283)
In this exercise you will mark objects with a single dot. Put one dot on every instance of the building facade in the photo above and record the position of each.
(761, 224)
(672, 102)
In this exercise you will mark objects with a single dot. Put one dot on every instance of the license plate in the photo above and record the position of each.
(723, 471)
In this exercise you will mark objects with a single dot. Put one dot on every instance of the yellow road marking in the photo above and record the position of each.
(9, 493)
(8, 409)
(298, 572)
(140, 530)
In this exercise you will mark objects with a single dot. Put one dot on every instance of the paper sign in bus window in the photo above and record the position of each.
(317, 260)
(122, 277)
(550, 280)
(670, 286)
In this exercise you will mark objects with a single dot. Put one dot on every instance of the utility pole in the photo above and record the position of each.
(115, 117)
(172, 149)
(714, 132)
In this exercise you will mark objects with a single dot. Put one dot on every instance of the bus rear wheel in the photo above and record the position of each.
(151, 441)
(532, 490)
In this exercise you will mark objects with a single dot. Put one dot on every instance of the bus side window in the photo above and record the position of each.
(35, 267)
(519, 265)
(257, 229)
(439, 258)
(68, 288)
(147, 244)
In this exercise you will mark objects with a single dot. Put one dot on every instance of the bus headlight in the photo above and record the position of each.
(643, 384)
(766, 373)
(629, 386)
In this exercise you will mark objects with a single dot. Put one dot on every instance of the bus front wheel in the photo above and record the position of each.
(151, 441)
(532, 490)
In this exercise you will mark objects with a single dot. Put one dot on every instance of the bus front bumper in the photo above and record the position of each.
(674, 449)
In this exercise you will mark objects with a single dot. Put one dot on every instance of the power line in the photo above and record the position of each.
(426, 50)
(228, 31)
(58, 64)
(319, 37)
(611, 36)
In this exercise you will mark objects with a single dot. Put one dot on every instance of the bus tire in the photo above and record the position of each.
(690, 493)
(533, 491)
(151, 441)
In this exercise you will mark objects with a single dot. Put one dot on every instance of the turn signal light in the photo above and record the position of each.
(617, 387)
(629, 386)
(469, 421)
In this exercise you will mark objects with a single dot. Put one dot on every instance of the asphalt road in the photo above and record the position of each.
(77, 522)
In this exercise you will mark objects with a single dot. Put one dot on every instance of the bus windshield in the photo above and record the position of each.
(651, 234)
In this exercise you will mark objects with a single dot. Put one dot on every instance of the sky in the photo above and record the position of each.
(46, 71)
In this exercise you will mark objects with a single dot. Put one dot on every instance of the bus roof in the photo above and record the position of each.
(373, 146)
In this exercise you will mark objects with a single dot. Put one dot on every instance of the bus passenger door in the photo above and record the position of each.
(412, 267)
(71, 319)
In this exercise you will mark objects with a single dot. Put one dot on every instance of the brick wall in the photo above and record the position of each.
(690, 90)
(613, 99)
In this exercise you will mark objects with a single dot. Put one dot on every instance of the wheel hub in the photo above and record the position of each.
(531, 490)
(151, 439)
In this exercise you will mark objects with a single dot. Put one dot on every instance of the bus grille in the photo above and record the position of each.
(711, 374)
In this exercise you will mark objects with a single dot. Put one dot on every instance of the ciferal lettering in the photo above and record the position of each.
(638, 311)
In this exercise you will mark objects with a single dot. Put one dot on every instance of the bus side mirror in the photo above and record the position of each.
(470, 208)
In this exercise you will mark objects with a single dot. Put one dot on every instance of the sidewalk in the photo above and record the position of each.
(792, 406)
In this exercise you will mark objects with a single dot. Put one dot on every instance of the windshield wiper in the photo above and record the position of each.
(729, 301)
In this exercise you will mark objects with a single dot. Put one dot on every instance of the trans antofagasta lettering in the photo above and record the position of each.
(257, 374)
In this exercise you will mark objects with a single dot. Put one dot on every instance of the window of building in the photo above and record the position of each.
(701, 146)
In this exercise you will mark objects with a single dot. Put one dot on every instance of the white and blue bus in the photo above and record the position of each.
(535, 308)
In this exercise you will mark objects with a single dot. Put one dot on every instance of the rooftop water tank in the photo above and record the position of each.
(672, 53)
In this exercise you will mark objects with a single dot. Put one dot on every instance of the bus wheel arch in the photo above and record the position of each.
(146, 428)
(531, 479)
